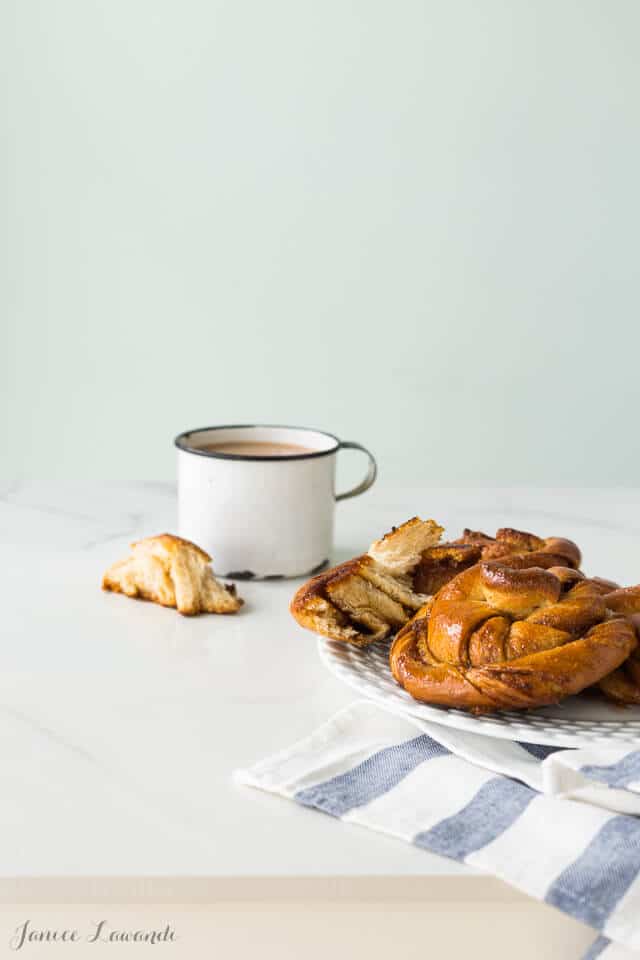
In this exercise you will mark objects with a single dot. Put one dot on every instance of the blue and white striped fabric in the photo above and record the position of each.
(560, 825)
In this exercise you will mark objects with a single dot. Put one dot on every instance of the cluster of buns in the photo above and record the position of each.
(482, 623)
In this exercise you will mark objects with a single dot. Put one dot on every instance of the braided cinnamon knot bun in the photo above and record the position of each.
(440, 564)
(623, 685)
(372, 596)
(496, 637)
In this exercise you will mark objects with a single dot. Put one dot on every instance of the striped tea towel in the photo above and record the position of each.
(561, 825)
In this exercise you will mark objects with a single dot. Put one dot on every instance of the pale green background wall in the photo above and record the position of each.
(412, 223)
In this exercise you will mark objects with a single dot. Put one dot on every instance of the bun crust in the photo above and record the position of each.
(496, 637)
(623, 685)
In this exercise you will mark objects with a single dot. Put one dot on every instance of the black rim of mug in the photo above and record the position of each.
(182, 442)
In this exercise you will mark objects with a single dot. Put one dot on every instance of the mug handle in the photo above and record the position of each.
(371, 472)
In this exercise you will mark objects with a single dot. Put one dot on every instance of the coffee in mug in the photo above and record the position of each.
(260, 499)
(256, 449)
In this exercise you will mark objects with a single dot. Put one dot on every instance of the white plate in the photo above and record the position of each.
(576, 722)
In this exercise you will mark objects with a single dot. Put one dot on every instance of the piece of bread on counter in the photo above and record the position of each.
(174, 573)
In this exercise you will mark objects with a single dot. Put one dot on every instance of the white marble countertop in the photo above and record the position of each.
(122, 721)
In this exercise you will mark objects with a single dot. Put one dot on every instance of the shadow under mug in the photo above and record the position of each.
(262, 517)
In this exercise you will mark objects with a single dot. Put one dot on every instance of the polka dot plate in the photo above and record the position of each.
(576, 722)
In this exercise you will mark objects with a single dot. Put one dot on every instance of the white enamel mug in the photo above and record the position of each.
(262, 517)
